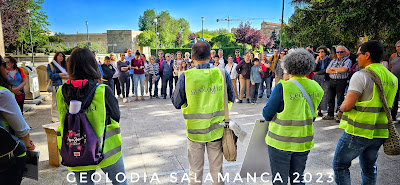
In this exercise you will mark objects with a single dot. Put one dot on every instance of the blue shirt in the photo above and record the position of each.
(275, 103)
(255, 75)
(179, 95)
(127, 58)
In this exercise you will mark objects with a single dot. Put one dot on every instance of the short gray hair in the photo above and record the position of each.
(345, 49)
(298, 62)
(221, 50)
(398, 42)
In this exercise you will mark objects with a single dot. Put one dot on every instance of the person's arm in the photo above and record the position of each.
(239, 67)
(20, 86)
(53, 76)
(350, 101)
(230, 88)
(275, 103)
(112, 107)
(179, 94)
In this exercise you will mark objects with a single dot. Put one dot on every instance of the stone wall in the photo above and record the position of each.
(124, 39)
(72, 39)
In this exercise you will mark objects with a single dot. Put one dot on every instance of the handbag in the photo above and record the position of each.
(229, 139)
(50, 83)
(391, 145)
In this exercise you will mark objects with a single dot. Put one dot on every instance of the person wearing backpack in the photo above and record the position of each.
(17, 77)
(394, 67)
(12, 121)
(57, 72)
(96, 120)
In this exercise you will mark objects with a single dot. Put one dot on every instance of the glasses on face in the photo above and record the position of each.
(282, 53)
(152, 59)
(237, 52)
(168, 56)
(340, 51)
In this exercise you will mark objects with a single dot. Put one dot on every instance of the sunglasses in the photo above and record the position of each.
(340, 51)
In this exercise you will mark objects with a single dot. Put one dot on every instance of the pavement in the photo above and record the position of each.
(154, 141)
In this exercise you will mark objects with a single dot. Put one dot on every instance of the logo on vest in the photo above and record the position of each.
(300, 95)
(390, 83)
(211, 90)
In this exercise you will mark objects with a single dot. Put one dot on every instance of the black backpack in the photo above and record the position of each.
(11, 147)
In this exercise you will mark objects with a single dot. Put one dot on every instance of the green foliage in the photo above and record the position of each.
(167, 27)
(147, 38)
(332, 22)
(55, 39)
(224, 40)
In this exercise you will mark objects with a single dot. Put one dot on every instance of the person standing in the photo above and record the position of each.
(153, 70)
(123, 68)
(17, 77)
(129, 57)
(274, 58)
(277, 69)
(365, 125)
(338, 71)
(182, 68)
(394, 66)
(108, 72)
(146, 76)
(321, 77)
(57, 73)
(176, 65)
(230, 68)
(203, 133)
(217, 62)
(290, 134)
(104, 119)
(255, 78)
(222, 59)
(187, 58)
(244, 69)
(166, 76)
(137, 64)
(13, 121)
(114, 62)
(237, 58)
(266, 79)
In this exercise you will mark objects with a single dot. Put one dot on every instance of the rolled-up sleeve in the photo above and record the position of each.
(10, 112)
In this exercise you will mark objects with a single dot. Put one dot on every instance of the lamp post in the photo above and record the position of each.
(30, 33)
(280, 42)
(155, 21)
(202, 27)
(87, 31)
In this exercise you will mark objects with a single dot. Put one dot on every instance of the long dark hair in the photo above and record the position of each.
(64, 62)
(82, 65)
(13, 60)
(4, 80)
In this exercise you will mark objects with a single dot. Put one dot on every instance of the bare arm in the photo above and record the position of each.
(350, 101)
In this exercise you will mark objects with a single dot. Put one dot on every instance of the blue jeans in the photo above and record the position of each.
(139, 77)
(133, 83)
(348, 148)
(112, 171)
(267, 82)
(287, 164)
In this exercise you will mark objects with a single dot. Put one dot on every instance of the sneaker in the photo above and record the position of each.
(259, 96)
(157, 97)
(252, 103)
(165, 97)
(136, 98)
(142, 98)
(248, 100)
(125, 100)
(320, 114)
(240, 101)
(327, 117)
(337, 120)
(120, 96)
(236, 100)
(129, 100)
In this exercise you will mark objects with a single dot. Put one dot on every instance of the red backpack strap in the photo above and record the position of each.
(394, 54)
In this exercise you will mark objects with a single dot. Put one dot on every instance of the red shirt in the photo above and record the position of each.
(138, 63)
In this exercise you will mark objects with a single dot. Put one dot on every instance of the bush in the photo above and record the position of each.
(67, 50)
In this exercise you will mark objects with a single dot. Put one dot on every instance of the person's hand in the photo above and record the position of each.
(260, 69)
(253, 83)
(63, 74)
(30, 146)
(315, 73)
(317, 58)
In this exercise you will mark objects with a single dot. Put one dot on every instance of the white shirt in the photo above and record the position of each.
(10, 112)
(231, 70)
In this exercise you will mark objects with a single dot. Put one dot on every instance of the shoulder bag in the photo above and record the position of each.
(391, 146)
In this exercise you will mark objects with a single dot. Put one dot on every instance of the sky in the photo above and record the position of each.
(69, 16)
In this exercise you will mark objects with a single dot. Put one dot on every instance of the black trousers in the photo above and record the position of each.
(165, 80)
(13, 175)
(117, 86)
(110, 83)
(337, 89)
(254, 92)
(395, 106)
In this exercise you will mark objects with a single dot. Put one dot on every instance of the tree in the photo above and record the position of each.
(344, 22)
(13, 17)
(147, 38)
(146, 21)
(192, 36)
(225, 40)
(178, 39)
(55, 39)
(247, 35)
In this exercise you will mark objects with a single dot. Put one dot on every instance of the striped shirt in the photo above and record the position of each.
(344, 62)
(153, 69)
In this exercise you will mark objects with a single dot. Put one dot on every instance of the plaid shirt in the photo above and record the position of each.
(344, 62)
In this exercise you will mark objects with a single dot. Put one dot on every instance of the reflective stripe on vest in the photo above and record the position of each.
(96, 115)
(292, 129)
(368, 119)
(204, 109)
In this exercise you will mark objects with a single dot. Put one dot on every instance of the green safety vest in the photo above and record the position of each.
(96, 114)
(292, 129)
(5, 123)
(367, 118)
(204, 110)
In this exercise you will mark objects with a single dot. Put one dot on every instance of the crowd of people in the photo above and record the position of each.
(306, 83)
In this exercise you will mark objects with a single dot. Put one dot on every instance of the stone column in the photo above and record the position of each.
(2, 50)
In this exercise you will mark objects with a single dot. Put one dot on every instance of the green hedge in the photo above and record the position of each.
(227, 50)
